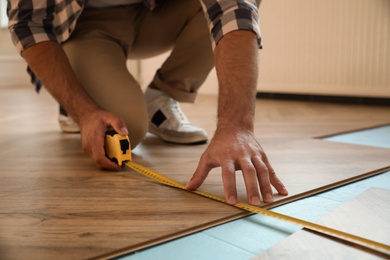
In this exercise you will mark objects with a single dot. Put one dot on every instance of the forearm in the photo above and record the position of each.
(50, 64)
(236, 62)
(234, 146)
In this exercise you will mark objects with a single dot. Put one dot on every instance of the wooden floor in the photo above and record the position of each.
(55, 203)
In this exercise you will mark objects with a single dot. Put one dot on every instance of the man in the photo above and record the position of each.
(78, 50)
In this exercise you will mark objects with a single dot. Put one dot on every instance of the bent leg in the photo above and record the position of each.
(100, 64)
(180, 26)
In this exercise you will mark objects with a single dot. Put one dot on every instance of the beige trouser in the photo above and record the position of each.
(105, 38)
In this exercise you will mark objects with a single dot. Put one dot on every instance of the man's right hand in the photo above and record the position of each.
(94, 126)
(49, 62)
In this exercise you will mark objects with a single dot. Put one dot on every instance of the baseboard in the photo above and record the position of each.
(325, 98)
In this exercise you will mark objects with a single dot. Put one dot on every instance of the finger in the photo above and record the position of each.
(101, 160)
(99, 153)
(201, 173)
(275, 181)
(120, 127)
(251, 182)
(105, 164)
(263, 179)
(229, 182)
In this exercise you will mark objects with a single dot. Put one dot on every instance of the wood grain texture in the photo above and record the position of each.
(367, 216)
(54, 203)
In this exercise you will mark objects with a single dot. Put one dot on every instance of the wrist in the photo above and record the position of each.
(82, 111)
(236, 125)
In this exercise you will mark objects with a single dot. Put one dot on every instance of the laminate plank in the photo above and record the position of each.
(367, 215)
(54, 203)
(306, 167)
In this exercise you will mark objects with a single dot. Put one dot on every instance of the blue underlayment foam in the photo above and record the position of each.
(379, 137)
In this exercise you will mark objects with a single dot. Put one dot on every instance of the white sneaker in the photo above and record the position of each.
(67, 124)
(169, 122)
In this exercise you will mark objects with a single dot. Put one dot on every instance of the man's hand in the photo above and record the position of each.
(93, 130)
(234, 151)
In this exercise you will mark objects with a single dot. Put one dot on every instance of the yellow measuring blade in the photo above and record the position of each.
(370, 244)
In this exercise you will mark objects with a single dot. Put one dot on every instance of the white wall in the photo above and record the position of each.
(3, 17)
(326, 47)
(12, 66)
(310, 46)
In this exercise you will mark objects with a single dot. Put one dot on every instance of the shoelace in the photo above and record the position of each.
(176, 110)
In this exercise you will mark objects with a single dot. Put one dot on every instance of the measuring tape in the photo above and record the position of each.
(119, 151)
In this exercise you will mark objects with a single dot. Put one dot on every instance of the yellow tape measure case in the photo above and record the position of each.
(117, 147)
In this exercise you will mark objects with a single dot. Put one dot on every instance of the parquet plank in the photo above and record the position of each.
(55, 203)
(367, 216)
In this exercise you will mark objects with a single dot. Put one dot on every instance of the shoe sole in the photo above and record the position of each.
(178, 140)
(67, 125)
(69, 129)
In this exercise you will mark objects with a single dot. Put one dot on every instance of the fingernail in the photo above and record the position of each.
(268, 197)
(124, 131)
(232, 200)
(255, 200)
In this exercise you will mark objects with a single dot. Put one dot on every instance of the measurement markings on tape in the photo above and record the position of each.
(370, 244)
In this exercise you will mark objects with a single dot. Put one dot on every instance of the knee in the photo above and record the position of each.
(137, 125)
(136, 135)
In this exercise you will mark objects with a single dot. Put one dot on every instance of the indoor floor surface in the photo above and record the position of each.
(249, 236)
(55, 204)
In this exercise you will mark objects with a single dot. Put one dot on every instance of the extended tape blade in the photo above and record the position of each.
(370, 244)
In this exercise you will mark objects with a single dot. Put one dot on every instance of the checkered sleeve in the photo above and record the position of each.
(225, 16)
(30, 22)
(33, 21)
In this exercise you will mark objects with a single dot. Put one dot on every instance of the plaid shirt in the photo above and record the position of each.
(33, 21)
